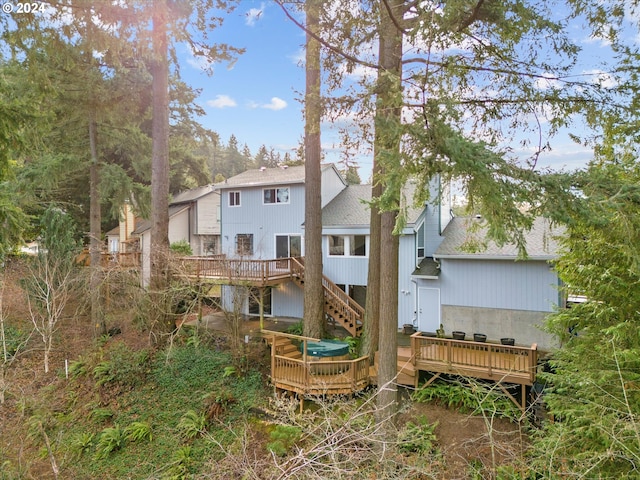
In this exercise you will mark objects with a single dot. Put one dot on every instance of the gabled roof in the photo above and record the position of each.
(265, 176)
(351, 207)
(193, 194)
(541, 241)
(283, 175)
(146, 224)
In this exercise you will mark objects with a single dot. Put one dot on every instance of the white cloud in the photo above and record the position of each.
(602, 78)
(222, 101)
(275, 104)
(253, 15)
(546, 82)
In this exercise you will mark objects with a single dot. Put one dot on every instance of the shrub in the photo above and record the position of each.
(14, 338)
(296, 329)
(283, 437)
(181, 247)
(78, 367)
(418, 437)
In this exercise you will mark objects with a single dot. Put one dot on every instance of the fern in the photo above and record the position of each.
(192, 424)
(103, 373)
(111, 439)
(81, 444)
(100, 414)
(138, 431)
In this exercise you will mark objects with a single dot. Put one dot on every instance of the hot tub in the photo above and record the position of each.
(327, 349)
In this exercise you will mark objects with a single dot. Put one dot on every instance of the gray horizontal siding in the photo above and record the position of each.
(526, 285)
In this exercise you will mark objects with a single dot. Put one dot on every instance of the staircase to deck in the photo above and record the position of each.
(339, 306)
(284, 347)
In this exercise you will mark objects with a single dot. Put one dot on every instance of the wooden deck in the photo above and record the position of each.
(489, 361)
(292, 370)
(259, 273)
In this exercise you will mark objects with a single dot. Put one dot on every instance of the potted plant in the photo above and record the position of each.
(458, 335)
(479, 337)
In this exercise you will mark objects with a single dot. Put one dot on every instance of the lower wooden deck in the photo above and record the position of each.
(499, 363)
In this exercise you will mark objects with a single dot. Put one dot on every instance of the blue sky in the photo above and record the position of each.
(258, 98)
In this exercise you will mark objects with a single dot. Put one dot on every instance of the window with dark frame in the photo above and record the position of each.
(275, 195)
(234, 199)
(358, 246)
(336, 245)
(244, 244)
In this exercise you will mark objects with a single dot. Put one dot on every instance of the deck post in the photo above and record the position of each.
(261, 307)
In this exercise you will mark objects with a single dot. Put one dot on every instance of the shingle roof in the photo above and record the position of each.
(146, 224)
(427, 268)
(351, 207)
(541, 241)
(193, 194)
(265, 176)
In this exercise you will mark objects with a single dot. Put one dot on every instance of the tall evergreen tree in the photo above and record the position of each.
(313, 293)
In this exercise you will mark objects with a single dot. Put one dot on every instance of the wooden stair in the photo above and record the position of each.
(284, 347)
(407, 374)
(338, 306)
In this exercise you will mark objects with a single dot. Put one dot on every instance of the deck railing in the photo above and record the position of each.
(311, 376)
(218, 266)
(324, 377)
(111, 259)
(349, 312)
(483, 360)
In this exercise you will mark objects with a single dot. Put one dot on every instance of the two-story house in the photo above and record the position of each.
(261, 218)
(263, 214)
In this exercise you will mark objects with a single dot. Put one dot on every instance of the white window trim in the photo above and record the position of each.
(239, 198)
(347, 246)
(275, 193)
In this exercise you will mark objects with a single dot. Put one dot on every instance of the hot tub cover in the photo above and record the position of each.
(327, 348)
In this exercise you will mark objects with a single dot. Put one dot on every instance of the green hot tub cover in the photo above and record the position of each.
(327, 348)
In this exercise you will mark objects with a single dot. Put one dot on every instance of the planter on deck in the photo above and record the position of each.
(508, 341)
(457, 335)
(479, 337)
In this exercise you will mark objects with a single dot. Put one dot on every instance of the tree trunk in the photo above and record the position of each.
(95, 233)
(387, 147)
(370, 334)
(313, 294)
(160, 168)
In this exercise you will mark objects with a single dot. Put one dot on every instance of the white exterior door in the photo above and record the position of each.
(428, 309)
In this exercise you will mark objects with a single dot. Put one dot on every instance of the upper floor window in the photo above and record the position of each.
(234, 199)
(276, 195)
(420, 243)
(351, 245)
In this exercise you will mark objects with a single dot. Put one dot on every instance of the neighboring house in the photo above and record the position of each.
(120, 239)
(194, 217)
(493, 291)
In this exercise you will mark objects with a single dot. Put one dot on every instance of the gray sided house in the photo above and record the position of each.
(492, 291)
(263, 218)
(194, 217)
(346, 232)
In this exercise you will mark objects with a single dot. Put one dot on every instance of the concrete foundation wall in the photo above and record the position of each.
(523, 326)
